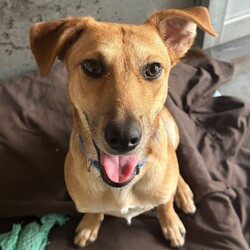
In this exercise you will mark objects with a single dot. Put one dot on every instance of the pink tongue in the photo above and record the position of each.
(118, 167)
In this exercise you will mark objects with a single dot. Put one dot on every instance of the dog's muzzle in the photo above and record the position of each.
(116, 170)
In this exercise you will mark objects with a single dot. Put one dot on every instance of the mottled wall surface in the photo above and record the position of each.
(17, 16)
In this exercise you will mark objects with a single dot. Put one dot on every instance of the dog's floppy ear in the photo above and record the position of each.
(51, 39)
(177, 28)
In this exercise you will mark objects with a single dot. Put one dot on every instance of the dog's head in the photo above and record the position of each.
(118, 77)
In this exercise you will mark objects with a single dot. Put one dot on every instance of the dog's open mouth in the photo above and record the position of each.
(118, 170)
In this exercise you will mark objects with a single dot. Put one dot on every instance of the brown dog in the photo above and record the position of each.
(118, 83)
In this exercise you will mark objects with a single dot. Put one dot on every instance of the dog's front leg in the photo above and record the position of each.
(87, 229)
(184, 197)
(171, 225)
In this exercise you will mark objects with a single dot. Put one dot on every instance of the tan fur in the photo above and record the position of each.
(125, 50)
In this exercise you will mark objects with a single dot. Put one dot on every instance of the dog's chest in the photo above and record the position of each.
(129, 211)
(123, 203)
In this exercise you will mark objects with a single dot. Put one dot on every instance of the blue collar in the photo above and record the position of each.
(97, 163)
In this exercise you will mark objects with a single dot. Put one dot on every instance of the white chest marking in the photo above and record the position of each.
(125, 210)
(131, 211)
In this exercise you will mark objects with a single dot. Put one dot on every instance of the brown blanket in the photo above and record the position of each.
(214, 155)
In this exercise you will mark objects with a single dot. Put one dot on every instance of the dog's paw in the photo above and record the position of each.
(184, 199)
(174, 231)
(87, 229)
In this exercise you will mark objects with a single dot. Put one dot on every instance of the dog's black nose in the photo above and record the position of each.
(123, 136)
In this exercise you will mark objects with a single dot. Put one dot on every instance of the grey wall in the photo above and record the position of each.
(17, 16)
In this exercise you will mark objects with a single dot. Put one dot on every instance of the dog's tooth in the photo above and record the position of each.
(89, 164)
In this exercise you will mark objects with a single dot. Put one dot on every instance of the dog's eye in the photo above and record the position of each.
(93, 68)
(152, 71)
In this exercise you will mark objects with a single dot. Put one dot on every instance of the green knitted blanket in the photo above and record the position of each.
(33, 236)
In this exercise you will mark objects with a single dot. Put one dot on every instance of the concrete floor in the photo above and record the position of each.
(238, 53)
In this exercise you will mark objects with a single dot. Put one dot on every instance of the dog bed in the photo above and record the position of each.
(213, 154)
